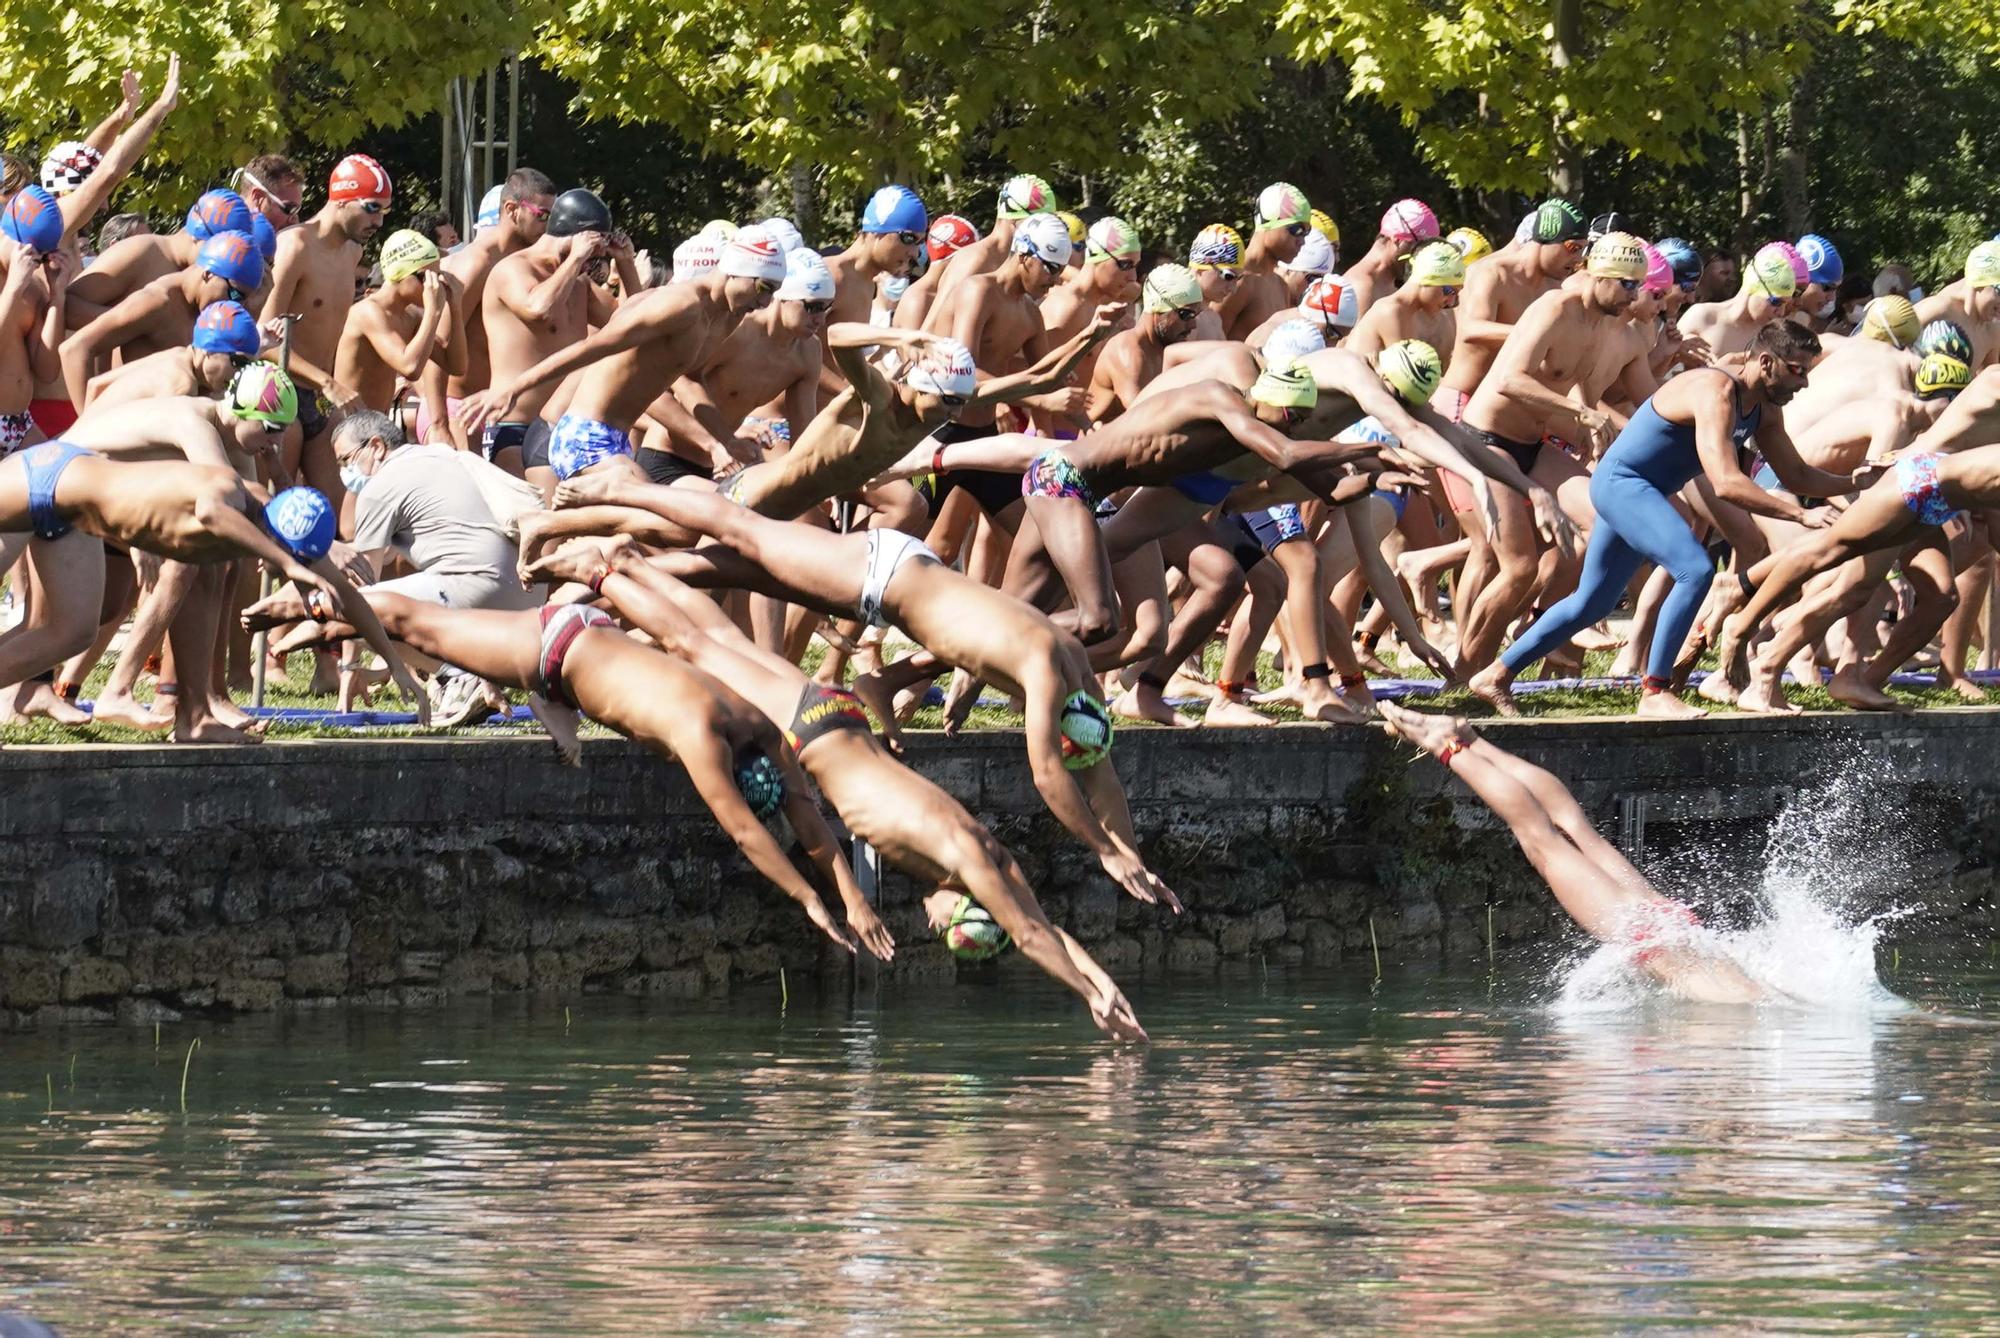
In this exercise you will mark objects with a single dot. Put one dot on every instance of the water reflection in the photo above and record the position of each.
(1292, 1154)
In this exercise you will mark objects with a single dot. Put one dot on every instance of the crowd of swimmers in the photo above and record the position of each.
(1060, 463)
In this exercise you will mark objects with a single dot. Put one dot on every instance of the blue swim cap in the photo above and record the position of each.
(761, 783)
(895, 209)
(1682, 258)
(34, 219)
(217, 211)
(1823, 265)
(227, 327)
(233, 258)
(265, 236)
(302, 520)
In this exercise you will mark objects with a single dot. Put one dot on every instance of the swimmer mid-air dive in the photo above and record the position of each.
(1602, 891)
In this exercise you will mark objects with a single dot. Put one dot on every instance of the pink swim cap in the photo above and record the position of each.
(1409, 221)
(1801, 271)
(1659, 274)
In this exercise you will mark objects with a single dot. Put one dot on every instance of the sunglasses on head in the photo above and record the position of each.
(288, 210)
(374, 206)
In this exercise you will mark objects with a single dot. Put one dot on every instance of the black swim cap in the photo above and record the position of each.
(1558, 221)
(578, 211)
(1607, 223)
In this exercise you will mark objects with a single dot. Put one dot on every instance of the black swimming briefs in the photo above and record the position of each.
(822, 711)
(1522, 453)
(664, 467)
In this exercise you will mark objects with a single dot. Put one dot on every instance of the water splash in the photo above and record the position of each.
(1814, 918)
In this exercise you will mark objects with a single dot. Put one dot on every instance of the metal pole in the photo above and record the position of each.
(486, 169)
(444, 153)
(513, 108)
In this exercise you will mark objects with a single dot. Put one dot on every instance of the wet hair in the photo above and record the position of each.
(120, 226)
(365, 424)
(273, 169)
(1787, 341)
(525, 183)
(429, 223)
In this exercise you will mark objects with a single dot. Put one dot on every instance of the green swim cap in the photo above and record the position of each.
(1412, 369)
(1982, 266)
(1290, 386)
(1941, 374)
(1438, 265)
(1172, 287)
(1110, 238)
(261, 391)
(1280, 205)
(1770, 273)
(1024, 195)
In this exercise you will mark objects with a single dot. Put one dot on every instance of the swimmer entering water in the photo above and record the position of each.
(1602, 891)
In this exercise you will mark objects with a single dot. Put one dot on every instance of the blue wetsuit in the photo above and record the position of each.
(1651, 460)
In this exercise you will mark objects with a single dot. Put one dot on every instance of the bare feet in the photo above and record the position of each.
(126, 712)
(1664, 705)
(1966, 689)
(1849, 688)
(534, 526)
(207, 729)
(580, 561)
(1318, 701)
(1143, 701)
(1732, 659)
(33, 700)
(588, 489)
(1716, 687)
(561, 723)
(1228, 711)
(1490, 686)
(1432, 733)
(1765, 695)
(880, 704)
(225, 710)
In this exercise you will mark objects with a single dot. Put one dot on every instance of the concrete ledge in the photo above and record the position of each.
(144, 881)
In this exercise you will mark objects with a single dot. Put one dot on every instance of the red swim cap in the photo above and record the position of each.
(358, 177)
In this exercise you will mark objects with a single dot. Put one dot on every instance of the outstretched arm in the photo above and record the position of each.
(82, 204)
(363, 617)
(1052, 368)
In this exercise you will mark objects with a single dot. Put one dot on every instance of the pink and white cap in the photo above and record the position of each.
(753, 254)
(807, 279)
(1659, 274)
(696, 258)
(943, 367)
(1410, 221)
(1801, 271)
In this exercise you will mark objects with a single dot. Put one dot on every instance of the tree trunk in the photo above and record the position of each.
(1566, 171)
(805, 209)
(1795, 186)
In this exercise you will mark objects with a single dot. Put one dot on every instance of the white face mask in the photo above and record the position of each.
(1826, 308)
(1916, 294)
(352, 479)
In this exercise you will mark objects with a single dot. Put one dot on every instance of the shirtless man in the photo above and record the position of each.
(1524, 400)
(1216, 257)
(909, 820)
(574, 659)
(1863, 405)
(1109, 275)
(628, 367)
(1972, 303)
(1600, 889)
(1421, 309)
(409, 330)
(949, 235)
(1769, 285)
(893, 223)
(38, 273)
(887, 577)
(1171, 304)
(116, 151)
(520, 219)
(313, 279)
(225, 337)
(1697, 424)
(1950, 468)
(273, 188)
(161, 315)
(772, 357)
(137, 261)
(1283, 220)
(1020, 197)
(537, 302)
(1816, 306)
(1499, 291)
(1406, 225)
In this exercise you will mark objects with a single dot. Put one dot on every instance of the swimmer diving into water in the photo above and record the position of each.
(1602, 891)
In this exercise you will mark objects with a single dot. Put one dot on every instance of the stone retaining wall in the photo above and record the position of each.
(140, 883)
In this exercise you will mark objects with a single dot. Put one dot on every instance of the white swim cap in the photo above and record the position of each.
(1315, 256)
(752, 254)
(807, 279)
(1045, 237)
(945, 366)
(1293, 340)
(695, 258)
(788, 237)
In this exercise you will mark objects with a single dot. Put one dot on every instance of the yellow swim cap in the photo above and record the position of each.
(1771, 274)
(1288, 387)
(1412, 369)
(721, 229)
(1280, 205)
(1982, 265)
(1324, 225)
(1891, 319)
(1471, 243)
(406, 252)
(1172, 287)
(1620, 255)
(1077, 231)
(1216, 246)
(1438, 265)
(1941, 374)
